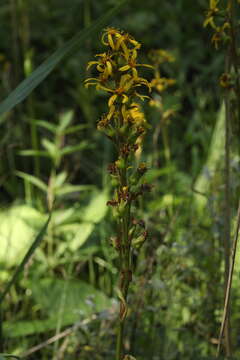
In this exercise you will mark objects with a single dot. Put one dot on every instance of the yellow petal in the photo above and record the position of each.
(111, 112)
(89, 84)
(125, 50)
(146, 65)
(135, 73)
(124, 68)
(142, 97)
(100, 68)
(103, 39)
(111, 100)
(124, 79)
(101, 87)
(136, 44)
(110, 41)
(91, 63)
(213, 4)
(109, 67)
(134, 54)
(125, 98)
(124, 112)
(119, 41)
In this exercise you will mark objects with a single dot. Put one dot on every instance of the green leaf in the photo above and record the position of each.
(73, 148)
(74, 129)
(16, 233)
(153, 174)
(215, 156)
(68, 189)
(67, 299)
(64, 121)
(77, 233)
(33, 153)
(48, 293)
(26, 258)
(97, 208)
(38, 75)
(60, 179)
(33, 180)
(51, 148)
(46, 125)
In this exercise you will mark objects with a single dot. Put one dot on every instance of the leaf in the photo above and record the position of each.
(38, 75)
(33, 153)
(48, 293)
(73, 148)
(51, 148)
(26, 258)
(57, 297)
(24, 328)
(215, 154)
(7, 356)
(75, 233)
(33, 180)
(15, 232)
(64, 121)
(97, 208)
(68, 189)
(75, 128)
(153, 174)
(46, 125)
(60, 179)
(79, 234)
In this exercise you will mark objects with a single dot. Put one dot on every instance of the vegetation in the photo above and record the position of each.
(91, 266)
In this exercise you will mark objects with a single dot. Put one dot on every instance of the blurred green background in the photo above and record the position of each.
(51, 152)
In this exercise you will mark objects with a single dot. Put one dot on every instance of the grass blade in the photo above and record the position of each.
(38, 75)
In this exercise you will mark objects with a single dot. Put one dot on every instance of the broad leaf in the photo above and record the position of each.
(69, 299)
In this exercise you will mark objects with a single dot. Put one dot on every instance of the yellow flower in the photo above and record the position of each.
(104, 65)
(213, 10)
(220, 34)
(118, 76)
(160, 56)
(225, 81)
(161, 83)
(109, 37)
(136, 115)
(132, 64)
(126, 82)
(117, 39)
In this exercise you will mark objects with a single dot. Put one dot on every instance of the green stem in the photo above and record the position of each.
(125, 253)
(119, 349)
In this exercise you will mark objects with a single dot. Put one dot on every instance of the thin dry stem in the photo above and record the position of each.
(229, 284)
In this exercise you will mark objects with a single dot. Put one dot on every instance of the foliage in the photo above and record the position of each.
(62, 303)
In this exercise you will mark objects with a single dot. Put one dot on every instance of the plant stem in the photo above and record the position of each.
(125, 262)
(119, 349)
(229, 284)
(227, 210)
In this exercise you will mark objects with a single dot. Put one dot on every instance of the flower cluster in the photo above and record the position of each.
(216, 19)
(124, 123)
(118, 75)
